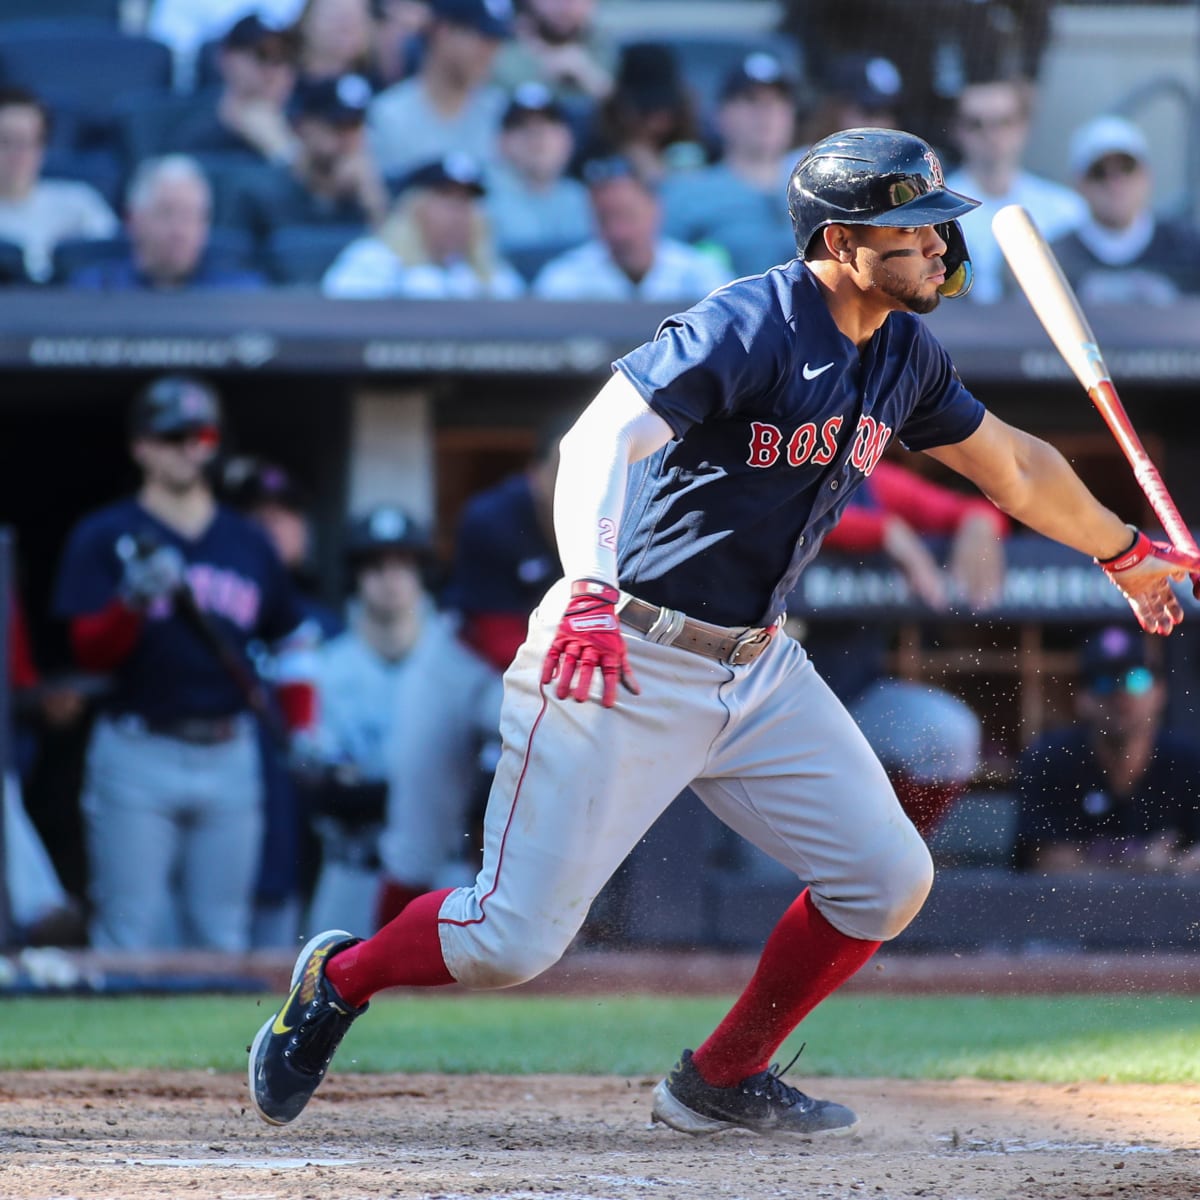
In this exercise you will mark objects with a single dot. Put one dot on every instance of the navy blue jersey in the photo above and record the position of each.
(1065, 794)
(237, 579)
(778, 417)
(503, 561)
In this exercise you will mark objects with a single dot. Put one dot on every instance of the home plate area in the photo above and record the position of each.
(143, 1135)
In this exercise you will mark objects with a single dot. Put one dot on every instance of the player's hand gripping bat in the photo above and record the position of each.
(1058, 308)
(145, 547)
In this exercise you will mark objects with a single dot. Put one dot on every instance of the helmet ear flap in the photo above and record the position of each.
(957, 259)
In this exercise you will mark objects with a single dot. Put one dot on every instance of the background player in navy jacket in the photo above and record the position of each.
(690, 495)
(173, 794)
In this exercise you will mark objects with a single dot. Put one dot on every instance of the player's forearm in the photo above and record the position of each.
(1047, 495)
(103, 640)
(616, 429)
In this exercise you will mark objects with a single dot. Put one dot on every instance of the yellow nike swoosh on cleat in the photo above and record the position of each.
(277, 1026)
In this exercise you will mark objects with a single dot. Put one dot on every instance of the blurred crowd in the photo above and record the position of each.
(492, 149)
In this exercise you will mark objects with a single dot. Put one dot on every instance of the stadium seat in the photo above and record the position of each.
(103, 170)
(74, 254)
(146, 121)
(107, 12)
(12, 264)
(527, 261)
(301, 254)
(706, 59)
(85, 61)
(226, 247)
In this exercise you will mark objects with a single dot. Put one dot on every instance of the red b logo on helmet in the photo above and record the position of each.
(935, 168)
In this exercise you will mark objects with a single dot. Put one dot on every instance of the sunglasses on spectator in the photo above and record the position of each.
(1111, 166)
(603, 170)
(975, 123)
(1137, 681)
(204, 435)
(272, 56)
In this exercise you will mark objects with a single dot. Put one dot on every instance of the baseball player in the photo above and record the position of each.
(403, 707)
(691, 494)
(172, 797)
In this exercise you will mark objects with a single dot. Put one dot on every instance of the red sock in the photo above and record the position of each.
(407, 952)
(926, 804)
(804, 960)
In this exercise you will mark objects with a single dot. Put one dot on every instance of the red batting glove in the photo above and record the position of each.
(1144, 573)
(589, 636)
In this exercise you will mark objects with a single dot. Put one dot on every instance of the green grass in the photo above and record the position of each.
(1151, 1039)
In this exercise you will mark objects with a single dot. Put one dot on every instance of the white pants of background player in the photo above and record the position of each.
(174, 834)
(34, 890)
(766, 746)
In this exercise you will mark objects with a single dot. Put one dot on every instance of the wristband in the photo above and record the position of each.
(1140, 548)
(594, 587)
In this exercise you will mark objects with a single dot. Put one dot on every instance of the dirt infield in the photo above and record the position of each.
(145, 1135)
(149, 1135)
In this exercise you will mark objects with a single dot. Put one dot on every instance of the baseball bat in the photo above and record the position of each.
(1058, 308)
(227, 654)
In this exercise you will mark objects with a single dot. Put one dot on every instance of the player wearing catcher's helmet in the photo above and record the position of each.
(692, 493)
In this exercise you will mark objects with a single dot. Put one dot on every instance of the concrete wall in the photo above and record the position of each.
(391, 451)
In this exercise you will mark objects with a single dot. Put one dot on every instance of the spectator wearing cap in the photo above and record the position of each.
(558, 44)
(531, 201)
(331, 179)
(333, 38)
(650, 116)
(1115, 789)
(37, 213)
(629, 259)
(398, 37)
(435, 244)
(991, 129)
(404, 709)
(247, 113)
(188, 25)
(1124, 253)
(737, 202)
(168, 217)
(449, 105)
(855, 91)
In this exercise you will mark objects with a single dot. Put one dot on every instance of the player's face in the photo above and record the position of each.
(171, 229)
(902, 266)
(288, 531)
(22, 149)
(389, 585)
(1126, 704)
(177, 461)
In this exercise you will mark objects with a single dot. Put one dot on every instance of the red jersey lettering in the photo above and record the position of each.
(764, 444)
(829, 432)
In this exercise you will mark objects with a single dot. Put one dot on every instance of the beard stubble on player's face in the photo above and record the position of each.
(908, 275)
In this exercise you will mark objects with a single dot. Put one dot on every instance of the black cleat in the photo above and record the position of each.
(293, 1050)
(762, 1103)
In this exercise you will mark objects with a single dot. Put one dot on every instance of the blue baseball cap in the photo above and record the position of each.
(340, 101)
(457, 169)
(491, 18)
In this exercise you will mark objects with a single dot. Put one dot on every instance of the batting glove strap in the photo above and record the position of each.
(1138, 550)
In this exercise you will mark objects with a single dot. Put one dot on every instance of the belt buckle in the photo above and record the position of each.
(748, 640)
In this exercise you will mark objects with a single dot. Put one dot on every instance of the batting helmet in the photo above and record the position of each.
(879, 177)
(174, 404)
(385, 528)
